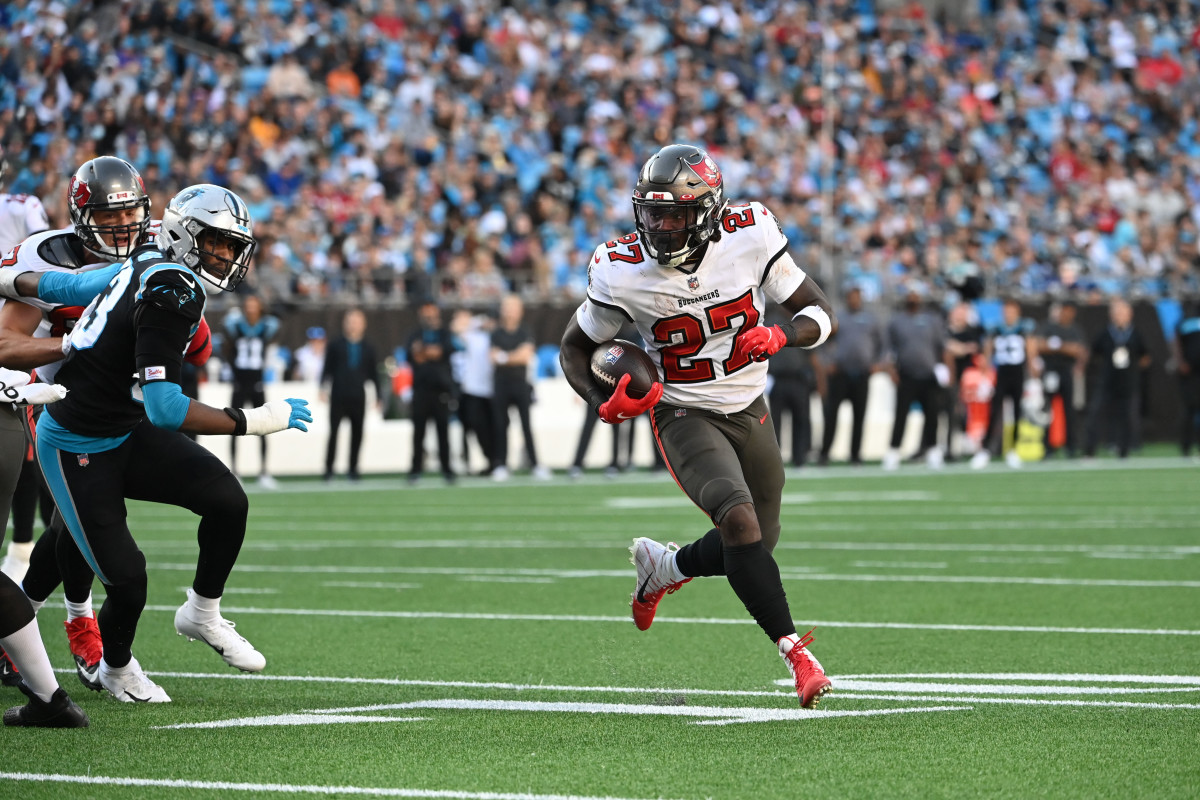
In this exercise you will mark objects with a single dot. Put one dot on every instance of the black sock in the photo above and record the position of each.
(754, 576)
(703, 557)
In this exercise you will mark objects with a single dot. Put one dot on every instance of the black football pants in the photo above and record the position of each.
(158, 466)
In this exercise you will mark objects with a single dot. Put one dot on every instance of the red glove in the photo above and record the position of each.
(759, 344)
(621, 406)
(200, 347)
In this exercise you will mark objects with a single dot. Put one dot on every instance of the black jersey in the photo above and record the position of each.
(133, 333)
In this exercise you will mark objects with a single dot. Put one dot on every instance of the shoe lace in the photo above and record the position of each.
(798, 657)
(84, 638)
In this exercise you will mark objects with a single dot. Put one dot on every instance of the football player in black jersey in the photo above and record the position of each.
(121, 434)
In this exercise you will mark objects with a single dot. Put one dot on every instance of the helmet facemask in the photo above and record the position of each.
(208, 229)
(677, 203)
(109, 207)
(222, 257)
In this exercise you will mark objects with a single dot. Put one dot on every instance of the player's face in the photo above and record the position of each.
(122, 225)
(217, 252)
(664, 218)
(666, 226)
(1012, 312)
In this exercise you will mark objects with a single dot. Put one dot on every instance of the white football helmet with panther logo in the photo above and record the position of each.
(208, 229)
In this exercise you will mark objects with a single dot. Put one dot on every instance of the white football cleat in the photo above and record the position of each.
(1013, 460)
(934, 458)
(129, 683)
(980, 459)
(267, 482)
(219, 634)
(655, 579)
(891, 460)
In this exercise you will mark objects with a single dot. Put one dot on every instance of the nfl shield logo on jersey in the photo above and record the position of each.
(693, 282)
(83, 459)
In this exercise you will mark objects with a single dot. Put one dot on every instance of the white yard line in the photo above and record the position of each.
(900, 564)
(790, 573)
(1072, 677)
(1022, 701)
(624, 620)
(288, 788)
(369, 585)
(703, 715)
(1097, 551)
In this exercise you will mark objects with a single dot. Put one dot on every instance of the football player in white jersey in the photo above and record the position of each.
(21, 215)
(695, 279)
(48, 706)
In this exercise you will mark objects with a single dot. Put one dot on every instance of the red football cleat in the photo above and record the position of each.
(653, 581)
(811, 683)
(83, 635)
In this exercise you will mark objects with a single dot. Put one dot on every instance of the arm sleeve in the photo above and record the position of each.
(75, 288)
(166, 404)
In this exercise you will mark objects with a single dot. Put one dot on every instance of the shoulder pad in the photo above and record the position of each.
(172, 288)
(64, 250)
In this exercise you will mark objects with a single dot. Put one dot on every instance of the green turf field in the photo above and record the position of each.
(1003, 634)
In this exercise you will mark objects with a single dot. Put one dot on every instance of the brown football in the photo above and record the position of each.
(618, 357)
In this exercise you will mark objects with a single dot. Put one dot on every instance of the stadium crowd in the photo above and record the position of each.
(397, 150)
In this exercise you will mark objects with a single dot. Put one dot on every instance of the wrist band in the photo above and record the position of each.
(817, 315)
(239, 420)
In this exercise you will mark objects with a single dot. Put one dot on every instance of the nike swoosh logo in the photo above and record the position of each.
(137, 699)
(622, 416)
(763, 421)
(640, 597)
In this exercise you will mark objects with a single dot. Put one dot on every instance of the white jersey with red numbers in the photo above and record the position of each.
(690, 320)
(54, 251)
(21, 216)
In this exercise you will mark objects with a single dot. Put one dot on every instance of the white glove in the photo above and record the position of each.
(16, 389)
(277, 415)
(66, 343)
(40, 394)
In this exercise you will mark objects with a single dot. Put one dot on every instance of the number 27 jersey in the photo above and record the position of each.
(690, 320)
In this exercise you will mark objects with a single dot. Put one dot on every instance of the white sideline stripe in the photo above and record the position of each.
(839, 681)
(370, 585)
(236, 590)
(901, 564)
(503, 579)
(791, 573)
(859, 685)
(288, 788)
(1023, 701)
(1101, 550)
(288, 720)
(788, 498)
(706, 715)
(624, 620)
(1073, 677)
